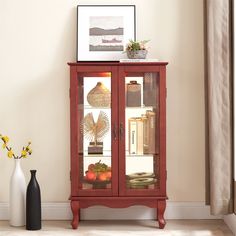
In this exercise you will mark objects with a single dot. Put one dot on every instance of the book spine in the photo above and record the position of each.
(140, 136)
(151, 128)
(132, 136)
(145, 134)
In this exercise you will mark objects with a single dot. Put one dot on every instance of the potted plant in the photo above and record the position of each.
(136, 49)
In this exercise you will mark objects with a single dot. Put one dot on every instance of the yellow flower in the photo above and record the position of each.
(25, 150)
(10, 154)
(5, 139)
(24, 153)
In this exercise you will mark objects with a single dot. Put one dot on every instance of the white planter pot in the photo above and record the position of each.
(138, 54)
(17, 196)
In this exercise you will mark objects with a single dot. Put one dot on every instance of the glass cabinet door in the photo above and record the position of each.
(141, 125)
(95, 132)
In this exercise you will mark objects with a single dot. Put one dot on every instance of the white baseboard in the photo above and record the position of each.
(4, 211)
(189, 210)
(230, 220)
(174, 210)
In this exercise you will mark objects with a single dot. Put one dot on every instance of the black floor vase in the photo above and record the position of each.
(33, 204)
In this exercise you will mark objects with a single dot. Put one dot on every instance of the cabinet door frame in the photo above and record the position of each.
(76, 74)
(161, 191)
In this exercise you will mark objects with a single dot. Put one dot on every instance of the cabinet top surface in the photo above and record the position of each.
(115, 63)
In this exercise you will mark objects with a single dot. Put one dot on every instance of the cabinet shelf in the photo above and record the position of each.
(141, 107)
(107, 153)
(87, 107)
(139, 155)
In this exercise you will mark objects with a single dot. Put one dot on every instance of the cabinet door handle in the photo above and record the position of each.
(121, 130)
(115, 132)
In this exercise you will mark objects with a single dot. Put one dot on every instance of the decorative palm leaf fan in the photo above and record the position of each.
(95, 132)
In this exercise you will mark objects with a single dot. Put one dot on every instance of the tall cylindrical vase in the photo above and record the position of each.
(17, 196)
(33, 204)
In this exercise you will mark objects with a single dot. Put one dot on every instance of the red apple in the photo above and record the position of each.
(108, 174)
(90, 176)
(102, 176)
(91, 167)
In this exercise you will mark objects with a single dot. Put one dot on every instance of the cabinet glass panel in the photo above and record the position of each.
(142, 131)
(94, 117)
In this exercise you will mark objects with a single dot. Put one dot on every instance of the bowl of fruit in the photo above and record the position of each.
(98, 174)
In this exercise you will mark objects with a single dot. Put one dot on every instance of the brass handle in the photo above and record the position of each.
(115, 132)
(121, 130)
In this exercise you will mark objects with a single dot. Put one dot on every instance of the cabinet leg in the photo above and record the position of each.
(161, 206)
(75, 211)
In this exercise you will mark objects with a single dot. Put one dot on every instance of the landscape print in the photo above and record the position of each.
(106, 33)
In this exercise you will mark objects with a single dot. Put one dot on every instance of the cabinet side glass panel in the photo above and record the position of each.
(94, 117)
(142, 131)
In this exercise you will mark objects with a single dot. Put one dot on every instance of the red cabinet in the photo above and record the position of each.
(118, 135)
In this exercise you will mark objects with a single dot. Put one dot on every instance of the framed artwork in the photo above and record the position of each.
(103, 31)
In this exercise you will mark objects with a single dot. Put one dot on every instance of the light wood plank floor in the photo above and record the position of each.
(147, 225)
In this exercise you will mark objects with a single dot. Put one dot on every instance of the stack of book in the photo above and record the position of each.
(142, 138)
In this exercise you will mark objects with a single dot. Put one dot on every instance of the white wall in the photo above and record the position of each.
(37, 39)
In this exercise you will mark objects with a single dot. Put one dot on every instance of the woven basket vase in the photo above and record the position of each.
(99, 96)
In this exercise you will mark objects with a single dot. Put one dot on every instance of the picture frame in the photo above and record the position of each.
(103, 31)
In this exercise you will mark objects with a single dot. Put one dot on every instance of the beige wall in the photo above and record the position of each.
(37, 39)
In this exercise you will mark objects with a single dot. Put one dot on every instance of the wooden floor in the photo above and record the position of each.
(147, 225)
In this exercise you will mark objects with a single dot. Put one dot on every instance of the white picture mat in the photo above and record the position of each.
(84, 13)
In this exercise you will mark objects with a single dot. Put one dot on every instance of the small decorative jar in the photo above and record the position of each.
(133, 94)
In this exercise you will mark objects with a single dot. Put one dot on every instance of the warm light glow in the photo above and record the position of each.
(96, 74)
(105, 74)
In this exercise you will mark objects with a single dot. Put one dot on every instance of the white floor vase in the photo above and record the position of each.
(17, 196)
